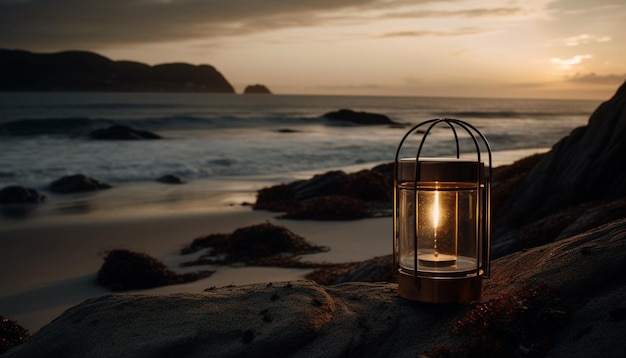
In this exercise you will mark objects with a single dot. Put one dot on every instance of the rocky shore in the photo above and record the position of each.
(557, 287)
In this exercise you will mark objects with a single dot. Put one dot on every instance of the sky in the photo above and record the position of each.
(456, 48)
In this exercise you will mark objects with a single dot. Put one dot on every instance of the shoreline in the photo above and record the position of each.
(49, 262)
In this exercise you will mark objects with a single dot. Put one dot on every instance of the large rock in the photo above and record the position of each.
(256, 89)
(366, 118)
(588, 165)
(564, 299)
(77, 183)
(351, 196)
(18, 201)
(120, 132)
(585, 169)
(20, 195)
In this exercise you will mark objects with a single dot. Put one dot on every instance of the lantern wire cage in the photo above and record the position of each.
(481, 146)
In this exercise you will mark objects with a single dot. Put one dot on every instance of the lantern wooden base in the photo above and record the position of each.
(453, 290)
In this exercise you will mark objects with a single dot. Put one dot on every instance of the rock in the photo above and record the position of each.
(249, 244)
(365, 118)
(126, 270)
(11, 334)
(171, 179)
(377, 269)
(330, 208)
(363, 190)
(256, 89)
(120, 132)
(586, 167)
(77, 183)
(558, 300)
(21, 195)
(19, 202)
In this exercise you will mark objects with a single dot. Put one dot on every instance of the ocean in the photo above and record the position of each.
(224, 144)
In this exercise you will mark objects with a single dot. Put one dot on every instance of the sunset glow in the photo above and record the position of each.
(536, 48)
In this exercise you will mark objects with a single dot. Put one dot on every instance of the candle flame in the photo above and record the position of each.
(436, 210)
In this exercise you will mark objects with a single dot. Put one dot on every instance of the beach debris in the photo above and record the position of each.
(77, 183)
(251, 244)
(171, 179)
(365, 118)
(11, 334)
(333, 195)
(121, 132)
(127, 270)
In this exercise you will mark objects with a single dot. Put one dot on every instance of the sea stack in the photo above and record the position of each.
(256, 89)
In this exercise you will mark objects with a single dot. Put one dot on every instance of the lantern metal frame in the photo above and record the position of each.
(445, 288)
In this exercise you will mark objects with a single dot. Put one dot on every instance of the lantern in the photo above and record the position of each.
(441, 221)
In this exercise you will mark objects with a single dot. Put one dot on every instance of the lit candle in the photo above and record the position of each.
(435, 258)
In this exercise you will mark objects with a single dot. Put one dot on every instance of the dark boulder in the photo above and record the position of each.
(19, 202)
(365, 118)
(582, 174)
(330, 208)
(256, 89)
(126, 270)
(171, 179)
(120, 132)
(21, 195)
(587, 165)
(77, 183)
(354, 191)
(377, 269)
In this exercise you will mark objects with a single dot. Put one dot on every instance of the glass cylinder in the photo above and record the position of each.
(440, 237)
(439, 218)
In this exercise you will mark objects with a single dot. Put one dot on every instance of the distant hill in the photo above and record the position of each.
(88, 71)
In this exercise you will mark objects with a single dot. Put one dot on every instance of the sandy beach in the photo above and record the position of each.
(49, 263)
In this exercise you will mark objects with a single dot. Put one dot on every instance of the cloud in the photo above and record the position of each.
(75, 23)
(480, 12)
(579, 40)
(462, 31)
(592, 78)
(569, 62)
(64, 24)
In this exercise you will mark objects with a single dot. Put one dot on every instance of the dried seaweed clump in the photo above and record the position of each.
(11, 334)
(252, 244)
(126, 270)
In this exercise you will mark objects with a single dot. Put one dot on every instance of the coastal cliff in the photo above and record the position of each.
(87, 71)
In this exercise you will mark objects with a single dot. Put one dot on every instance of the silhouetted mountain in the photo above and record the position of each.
(87, 71)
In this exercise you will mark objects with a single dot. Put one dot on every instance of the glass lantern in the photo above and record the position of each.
(442, 223)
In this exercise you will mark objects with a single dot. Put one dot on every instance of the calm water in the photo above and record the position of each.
(213, 136)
